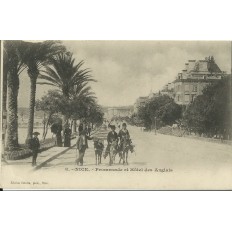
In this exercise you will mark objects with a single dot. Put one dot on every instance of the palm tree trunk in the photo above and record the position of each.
(33, 78)
(4, 106)
(4, 97)
(12, 116)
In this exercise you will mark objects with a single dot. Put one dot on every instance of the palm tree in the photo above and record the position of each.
(65, 75)
(5, 71)
(38, 55)
(85, 99)
(14, 54)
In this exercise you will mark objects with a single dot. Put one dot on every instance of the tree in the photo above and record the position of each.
(163, 108)
(38, 55)
(13, 59)
(51, 104)
(210, 112)
(81, 107)
(65, 75)
(95, 115)
(82, 100)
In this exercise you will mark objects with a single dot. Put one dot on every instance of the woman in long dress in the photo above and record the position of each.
(67, 136)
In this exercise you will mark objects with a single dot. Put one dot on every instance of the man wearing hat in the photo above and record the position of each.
(112, 136)
(82, 145)
(34, 145)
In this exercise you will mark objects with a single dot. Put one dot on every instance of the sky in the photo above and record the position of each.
(126, 70)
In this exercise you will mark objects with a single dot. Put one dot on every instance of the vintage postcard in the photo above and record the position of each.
(116, 115)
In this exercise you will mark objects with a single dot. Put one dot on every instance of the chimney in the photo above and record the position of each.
(191, 65)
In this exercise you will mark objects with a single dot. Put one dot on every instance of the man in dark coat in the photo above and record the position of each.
(82, 145)
(34, 145)
(80, 128)
(112, 136)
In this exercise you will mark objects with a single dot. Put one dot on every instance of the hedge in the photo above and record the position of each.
(24, 152)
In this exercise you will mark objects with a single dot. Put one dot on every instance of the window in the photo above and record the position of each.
(178, 98)
(186, 88)
(186, 98)
(192, 97)
(190, 87)
(194, 88)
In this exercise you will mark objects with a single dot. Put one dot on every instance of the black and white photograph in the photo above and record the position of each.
(116, 115)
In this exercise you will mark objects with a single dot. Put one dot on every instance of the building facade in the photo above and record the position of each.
(194, 78)
(123, 111)
(188, 84)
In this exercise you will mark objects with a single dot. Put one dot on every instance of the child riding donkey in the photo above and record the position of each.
(125, 144)
(112, 146)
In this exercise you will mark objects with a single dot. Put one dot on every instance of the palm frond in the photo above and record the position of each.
(46, 83)
(70, 78)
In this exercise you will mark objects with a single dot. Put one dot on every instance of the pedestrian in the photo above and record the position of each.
(56, 129)
(112, 136)
(82, 145)
(89, 130)
(67, 136)
(80, 128)
(34, 145)
(123, 135)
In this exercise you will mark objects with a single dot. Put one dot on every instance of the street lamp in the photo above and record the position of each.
(155, 125)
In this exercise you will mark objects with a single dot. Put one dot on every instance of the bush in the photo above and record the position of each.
(24, 152)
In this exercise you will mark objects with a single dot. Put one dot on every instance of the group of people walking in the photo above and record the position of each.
(56, 129)
(82, 141)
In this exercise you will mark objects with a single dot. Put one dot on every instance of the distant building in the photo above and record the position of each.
(189, 83)
(117, 111)
(194, 78)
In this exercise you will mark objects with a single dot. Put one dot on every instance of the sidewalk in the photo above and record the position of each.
(42, 159)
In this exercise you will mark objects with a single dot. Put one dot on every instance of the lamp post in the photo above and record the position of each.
(155, 125)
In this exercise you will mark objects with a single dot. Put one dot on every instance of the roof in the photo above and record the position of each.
(207, 65)
(196, 80)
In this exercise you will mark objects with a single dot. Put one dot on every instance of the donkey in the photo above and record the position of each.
(98, 147)
(125, 147)
(113, 152)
